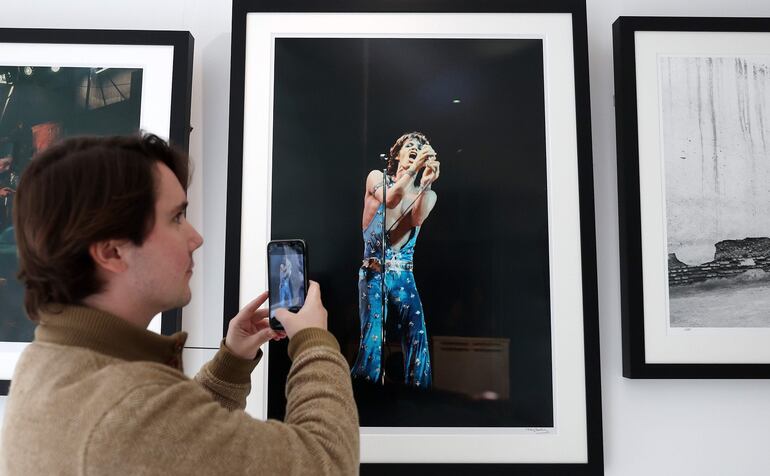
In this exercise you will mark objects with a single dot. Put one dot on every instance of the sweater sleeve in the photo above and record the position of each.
(227, 378)
(176, 428)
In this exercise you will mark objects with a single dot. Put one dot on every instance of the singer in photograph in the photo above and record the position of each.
(395, 207)
(284, 288)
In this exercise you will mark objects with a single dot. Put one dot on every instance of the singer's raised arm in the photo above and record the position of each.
(394, 194)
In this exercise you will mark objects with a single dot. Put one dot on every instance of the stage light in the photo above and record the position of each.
(28, 70)
(455, 101)
(55, 69)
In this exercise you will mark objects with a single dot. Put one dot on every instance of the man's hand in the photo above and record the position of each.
(432, 171)
(312, 314)
(249, 329)
(423, 156)
(5, 191)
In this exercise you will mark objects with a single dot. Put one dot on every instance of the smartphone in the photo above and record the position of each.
(286, 276)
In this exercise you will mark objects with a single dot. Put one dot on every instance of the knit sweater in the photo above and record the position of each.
(96, 395)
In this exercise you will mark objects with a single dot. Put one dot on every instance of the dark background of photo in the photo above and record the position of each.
(48, 96)
(481, 260)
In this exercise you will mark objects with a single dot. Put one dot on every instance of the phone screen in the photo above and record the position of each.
(286, 274)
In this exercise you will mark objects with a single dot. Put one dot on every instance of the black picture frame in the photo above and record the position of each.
(636, 358)
(180, 94)
(238, 182)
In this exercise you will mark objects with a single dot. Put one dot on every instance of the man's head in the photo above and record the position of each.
(5, 164)
(6, 156)
(405, 150)
(105, 216)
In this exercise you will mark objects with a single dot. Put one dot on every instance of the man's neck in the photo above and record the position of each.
(119, 308)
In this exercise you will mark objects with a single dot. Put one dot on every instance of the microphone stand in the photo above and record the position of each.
(383, 297)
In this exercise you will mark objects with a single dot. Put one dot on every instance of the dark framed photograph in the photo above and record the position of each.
(56, 84)
(690, 105)
(436, 160)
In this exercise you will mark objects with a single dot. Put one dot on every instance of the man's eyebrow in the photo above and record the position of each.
(180, 208)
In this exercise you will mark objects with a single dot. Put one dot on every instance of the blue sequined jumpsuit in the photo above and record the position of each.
(284, 289)
(403, 305)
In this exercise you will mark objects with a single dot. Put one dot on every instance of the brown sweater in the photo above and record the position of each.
(95, 395)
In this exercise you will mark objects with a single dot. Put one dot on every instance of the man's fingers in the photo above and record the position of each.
(255, 303)
(283, 314)
(260, 322)
(313, 292)
(248, 311)
(259, 314)
(258, 338)
(265, 334)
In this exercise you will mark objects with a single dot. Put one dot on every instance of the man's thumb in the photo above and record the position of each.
(282, 315)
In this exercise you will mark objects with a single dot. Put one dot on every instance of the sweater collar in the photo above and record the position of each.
(108, 334)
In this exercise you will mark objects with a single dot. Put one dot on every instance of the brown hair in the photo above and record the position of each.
(78, 192)
(396, 148)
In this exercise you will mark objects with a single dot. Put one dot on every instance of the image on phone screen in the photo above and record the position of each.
(286, 261)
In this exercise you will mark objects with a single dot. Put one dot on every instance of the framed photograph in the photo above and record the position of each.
(436, 160)
(691, 109)
(61, 83)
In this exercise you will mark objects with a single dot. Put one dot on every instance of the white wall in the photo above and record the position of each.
(707, 202)
(656, 427)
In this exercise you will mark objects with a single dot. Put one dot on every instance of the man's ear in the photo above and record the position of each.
(108, 255)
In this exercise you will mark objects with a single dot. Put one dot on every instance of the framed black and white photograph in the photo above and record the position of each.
(693, 137)
(56, 84)
(436, 160)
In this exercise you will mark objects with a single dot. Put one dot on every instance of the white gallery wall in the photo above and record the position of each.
(653, 427)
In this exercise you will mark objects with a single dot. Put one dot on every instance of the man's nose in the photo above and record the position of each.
(197, 239)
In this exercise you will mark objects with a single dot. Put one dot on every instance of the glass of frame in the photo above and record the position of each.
(493, 363)
(692, 135)
(61, 83)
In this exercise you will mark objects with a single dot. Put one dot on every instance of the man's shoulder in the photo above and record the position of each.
(144, 372)
(78, 387)
(42, 361)
(374, 175)
(94, 397)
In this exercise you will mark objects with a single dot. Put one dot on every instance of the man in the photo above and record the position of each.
(7, 184)
(401, 211)
(284, 286)
(104, 246)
